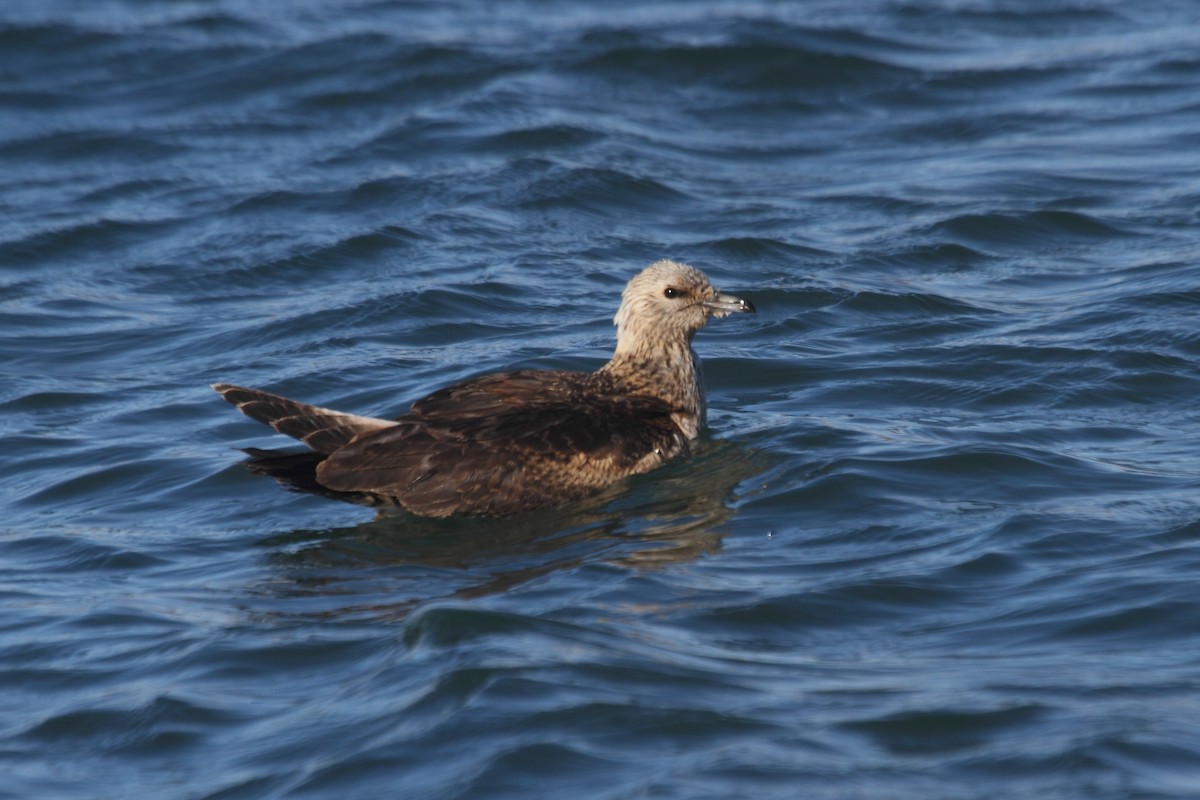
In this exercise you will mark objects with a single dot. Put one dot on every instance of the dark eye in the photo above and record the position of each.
(670, 292)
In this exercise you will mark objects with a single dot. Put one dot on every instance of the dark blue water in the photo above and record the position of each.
(944, 539)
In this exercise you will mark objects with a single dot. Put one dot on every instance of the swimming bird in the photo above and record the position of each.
(513, 441)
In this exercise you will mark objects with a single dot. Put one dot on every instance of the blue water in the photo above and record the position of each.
(943, 540)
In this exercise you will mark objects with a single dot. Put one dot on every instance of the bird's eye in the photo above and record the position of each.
(670, 292)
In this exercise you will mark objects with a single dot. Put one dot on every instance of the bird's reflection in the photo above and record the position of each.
(388, 565)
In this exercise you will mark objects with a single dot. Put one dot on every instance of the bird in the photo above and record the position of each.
(510, 442)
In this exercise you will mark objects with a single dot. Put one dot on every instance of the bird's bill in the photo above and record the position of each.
(724, 304)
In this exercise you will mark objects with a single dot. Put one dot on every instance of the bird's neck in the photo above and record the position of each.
(669, 371)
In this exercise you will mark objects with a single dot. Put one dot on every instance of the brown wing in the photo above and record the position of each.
(506, 443)
(502, 391)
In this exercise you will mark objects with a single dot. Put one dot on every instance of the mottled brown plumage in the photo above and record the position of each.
(513, 441)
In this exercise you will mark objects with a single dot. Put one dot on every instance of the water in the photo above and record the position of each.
(942, 543)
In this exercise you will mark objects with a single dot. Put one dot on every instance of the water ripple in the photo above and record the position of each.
(942, 533)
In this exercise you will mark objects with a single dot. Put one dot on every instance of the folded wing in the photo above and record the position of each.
(506, 443)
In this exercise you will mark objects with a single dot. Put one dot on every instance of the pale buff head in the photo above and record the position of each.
(669, 301)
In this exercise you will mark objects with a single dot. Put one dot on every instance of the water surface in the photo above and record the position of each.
(942, 541)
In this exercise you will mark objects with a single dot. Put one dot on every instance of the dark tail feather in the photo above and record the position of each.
(297, 470)
(294, 469)
(322, 429)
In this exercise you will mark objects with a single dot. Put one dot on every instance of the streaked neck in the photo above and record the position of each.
(669, 370)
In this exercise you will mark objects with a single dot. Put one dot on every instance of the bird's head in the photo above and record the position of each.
(668, 300)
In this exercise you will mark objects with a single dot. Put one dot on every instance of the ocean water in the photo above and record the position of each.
(943, 540)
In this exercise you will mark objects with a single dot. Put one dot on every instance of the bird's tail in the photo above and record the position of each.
(321, 429)
(297, 470)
